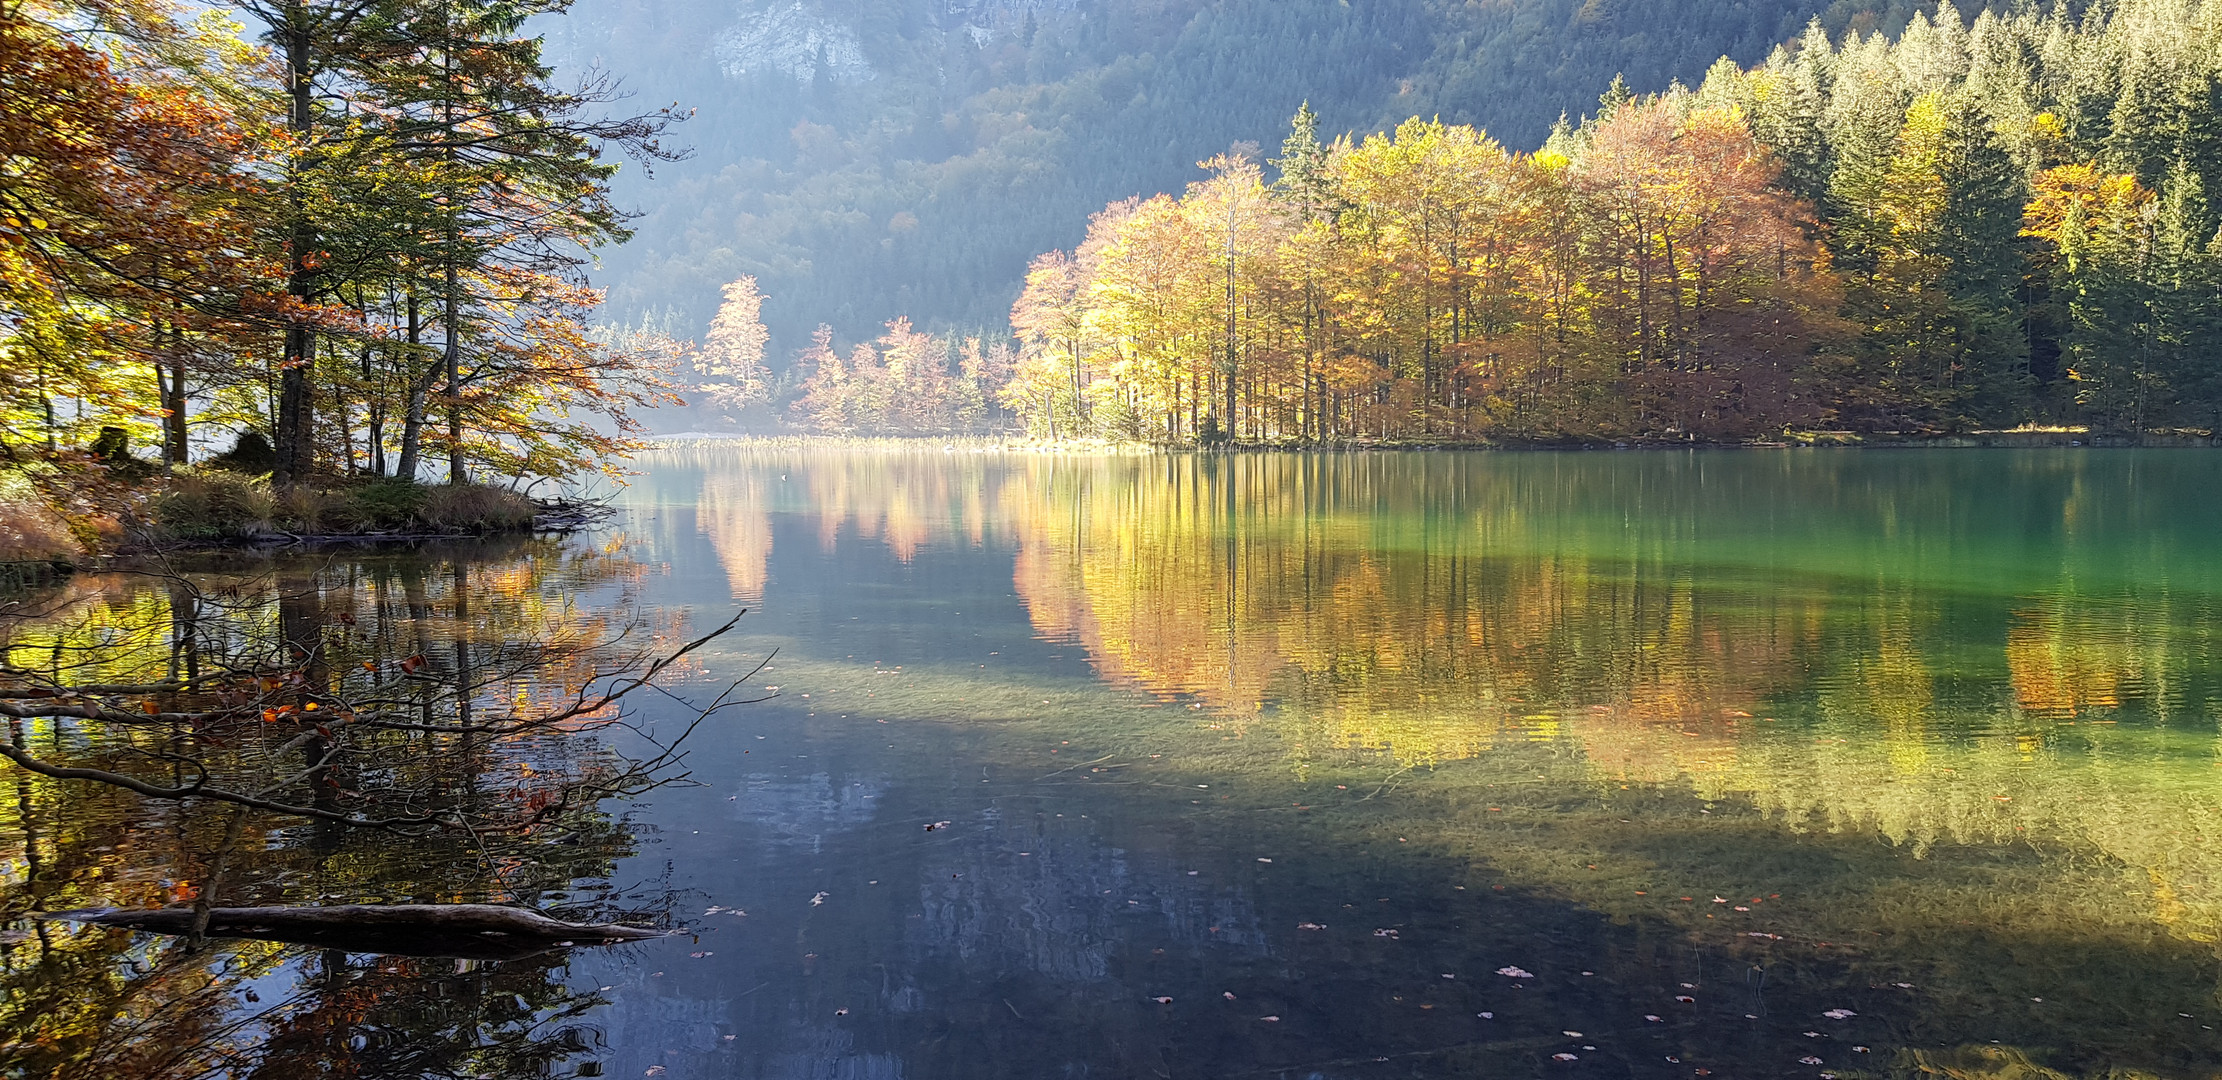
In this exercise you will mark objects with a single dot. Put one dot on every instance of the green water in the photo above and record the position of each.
(1376, 765)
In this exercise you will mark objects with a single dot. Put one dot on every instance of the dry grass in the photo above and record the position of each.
(31, 531)
(476, 508)
(214, 505)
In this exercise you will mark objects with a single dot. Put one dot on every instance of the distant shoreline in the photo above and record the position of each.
(1980, 440)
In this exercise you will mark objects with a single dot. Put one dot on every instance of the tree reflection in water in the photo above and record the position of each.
(1944, 720)
(455, 642)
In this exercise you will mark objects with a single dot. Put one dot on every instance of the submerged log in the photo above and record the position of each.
(465, 931)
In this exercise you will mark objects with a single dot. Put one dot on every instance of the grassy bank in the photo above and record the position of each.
(58, 516)
(213, 506)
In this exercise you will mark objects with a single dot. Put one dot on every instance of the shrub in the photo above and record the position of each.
(250, 454)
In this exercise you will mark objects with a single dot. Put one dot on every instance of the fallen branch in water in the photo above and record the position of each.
(471, 931)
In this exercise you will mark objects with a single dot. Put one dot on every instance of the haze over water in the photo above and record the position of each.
(1729, 764)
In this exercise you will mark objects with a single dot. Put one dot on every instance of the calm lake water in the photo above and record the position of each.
(1729, 764)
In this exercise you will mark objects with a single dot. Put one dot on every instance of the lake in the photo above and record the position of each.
(1667, 764)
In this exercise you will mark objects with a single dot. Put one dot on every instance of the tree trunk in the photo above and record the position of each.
(456, 472)
(412, 416)
(471, 931)
(296, 407)
(169, 379)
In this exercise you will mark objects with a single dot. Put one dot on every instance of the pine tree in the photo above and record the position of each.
(1979, 239)
(1305, 183)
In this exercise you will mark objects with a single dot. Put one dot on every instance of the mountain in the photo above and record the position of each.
(872, 158)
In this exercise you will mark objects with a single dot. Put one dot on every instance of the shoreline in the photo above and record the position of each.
(1826, 440)
(551, 517)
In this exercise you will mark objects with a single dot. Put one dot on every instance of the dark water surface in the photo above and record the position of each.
(1736, 764)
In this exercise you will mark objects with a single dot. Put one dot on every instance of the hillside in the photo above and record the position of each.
(869, 158)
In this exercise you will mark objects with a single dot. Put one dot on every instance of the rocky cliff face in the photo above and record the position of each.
(798, 40)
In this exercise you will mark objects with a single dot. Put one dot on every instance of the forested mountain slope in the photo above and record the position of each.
(872, 158)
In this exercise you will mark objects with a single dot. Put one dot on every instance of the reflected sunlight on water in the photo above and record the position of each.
(1084, 765)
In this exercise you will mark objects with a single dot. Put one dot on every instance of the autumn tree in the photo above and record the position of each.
(732, 357)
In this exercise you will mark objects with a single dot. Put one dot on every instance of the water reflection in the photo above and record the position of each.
(487, 631)
(1366, 765)
(1903, 716)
